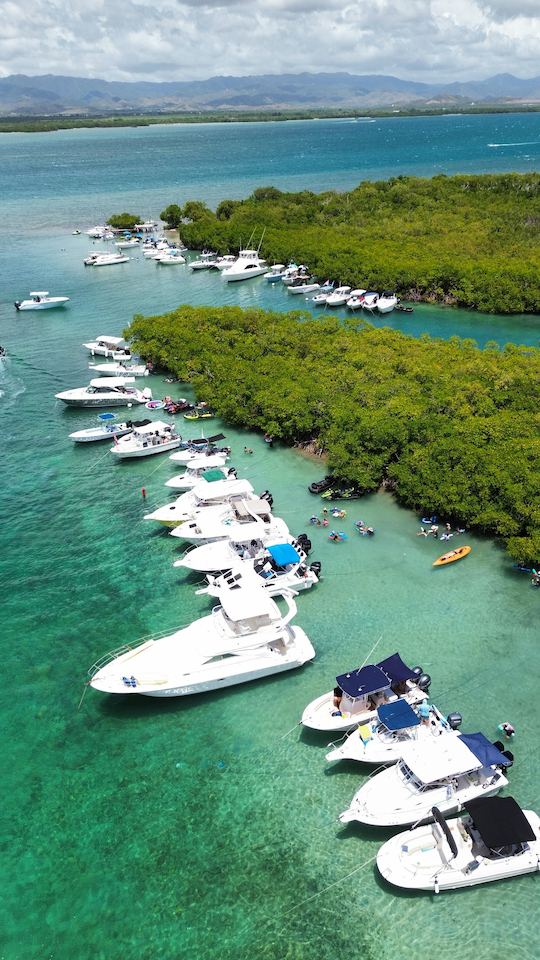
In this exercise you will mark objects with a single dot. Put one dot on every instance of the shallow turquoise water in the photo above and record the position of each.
(139, 829)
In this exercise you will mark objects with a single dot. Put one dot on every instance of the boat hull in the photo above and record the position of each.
(39, 305)
(146, 451)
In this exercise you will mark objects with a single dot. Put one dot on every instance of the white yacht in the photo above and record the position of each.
(127, 243)
(446, 773)
(275, 273)
(319, 300)
(206, 261)
(226, 554)
(250, 518)
(109, 346)
(360, 692)
(245, 638)
(120, 369)
(338, 297)
(370, 300)
(303, 285)
(106, 260)
(356, 300)
(96, 232)
(248, 264)
(381, 740)
(144, 441)
(106, 429)
(387, 302)
(495, 840)
(168, 258)
(105, 392)
(205, 495)
(211, 469)
(155, 249)
(280, 566)
(197, 450)
(40, 300)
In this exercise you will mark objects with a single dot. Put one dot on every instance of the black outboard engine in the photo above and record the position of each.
(418, 671)
(454, 720)
(316, 568)
(509, 756)
(499, 745)
(304, 542)
(266, 495)
(423, 682)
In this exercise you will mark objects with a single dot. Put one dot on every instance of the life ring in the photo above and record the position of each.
(154, 405)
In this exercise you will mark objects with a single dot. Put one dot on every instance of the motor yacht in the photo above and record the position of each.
(96, 232)
(387, 302)
(222, 263)
(360, 692)
(370, 300)
(225, 554)
(210, 468)
(152, 250)
(248, 264)
(40, 300)
(338, 297)
(495, 840)
(106, 260)
(108, 346)
(106, 429)
(165, 259)
(105, 392)
(144, 441)
(356, 300)
(119, 369)
(303, 286)
(205, 495)
(275, 273)
(127, 243)
(380, 741)
(279, 566)
(244, 638)
(250, 518)
(446, 773)
(206, 261)
(195, 449)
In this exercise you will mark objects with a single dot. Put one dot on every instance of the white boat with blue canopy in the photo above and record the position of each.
(279, 566)
(106, 429)
(495, 840)
(225, 554)
(381, 740)
(448, 773)
(360, 692)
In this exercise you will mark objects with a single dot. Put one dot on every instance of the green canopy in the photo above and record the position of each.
(212, 475)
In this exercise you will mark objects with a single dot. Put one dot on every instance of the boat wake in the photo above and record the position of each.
(11, 387)
(519, 143)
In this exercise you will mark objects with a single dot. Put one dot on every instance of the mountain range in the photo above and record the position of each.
(51, 95)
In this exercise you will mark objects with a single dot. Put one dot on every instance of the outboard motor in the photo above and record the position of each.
(316, 568)
(304, 543)
(423, 682)
(454, 720)
(509, 756)
(499, 745)
(266, 495)
(418, 671)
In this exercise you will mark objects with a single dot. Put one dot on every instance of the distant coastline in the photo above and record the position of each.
(48, 124)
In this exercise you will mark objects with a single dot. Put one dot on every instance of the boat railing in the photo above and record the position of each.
(126, 648)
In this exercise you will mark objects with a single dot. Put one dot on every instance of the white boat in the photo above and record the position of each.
(280, 566)
(380, 741)
(119, 369)
(108, 346)
(319, 300)
(191, 453)
(168, 258)
(225, 554)
(370, 300)
(249, 518)
(40, 300)
(248, 264)
(360, 692)
(153, 437)
(106, 260)
(356, 300)
(446, 773)
(127, 243)
(245, 638)
(205, 495)
(105, 392)
(338, 297)
(302, 286)
(275, 273)
(495, 840)
(222, 263)
(106, 429)
(210, 468)
(206, 261)
(96, 232)
(154, 250)
(387, 302)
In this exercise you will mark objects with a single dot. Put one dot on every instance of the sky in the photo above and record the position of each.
(428, 40)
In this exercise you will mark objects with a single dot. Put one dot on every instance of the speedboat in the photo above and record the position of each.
(356, 300)
(108, 346)
(106, 429)
(275, 273)
(154, 437)
(105, 392)
(360, 692)
(107, 260)
(127, 243)
(194, 451)
(387, 302)
(244, 638)
(278, 567)
(338, 297)
(210, 468)
(495, 840)
(226, 554)
(152, 250)
(319, 300)
(380, 741)
(40, 300)
(370, 300)
(446, 773)
(222, 263)
(120, 369)
(205, 496)
(166, 259)
(250, 518)
(302, 285)
(96, 232)
(248, 264)
(206, 261)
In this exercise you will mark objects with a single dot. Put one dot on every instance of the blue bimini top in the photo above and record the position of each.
(397, 715)
(484, 750)
(395, 669)
(362, 682)
(283, 554)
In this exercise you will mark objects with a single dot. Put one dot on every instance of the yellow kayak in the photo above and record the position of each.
(451, 556)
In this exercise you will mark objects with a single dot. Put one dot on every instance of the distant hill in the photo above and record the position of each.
(63, 96)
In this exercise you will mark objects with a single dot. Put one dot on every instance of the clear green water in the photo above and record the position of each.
(138, 829)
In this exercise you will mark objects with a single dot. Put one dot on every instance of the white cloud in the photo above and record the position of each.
(196, 39)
